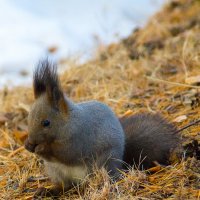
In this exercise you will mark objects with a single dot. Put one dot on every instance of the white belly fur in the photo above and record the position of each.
(60, 173)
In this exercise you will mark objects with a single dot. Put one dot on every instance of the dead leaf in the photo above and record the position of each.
(20, 135)
(24, 107)
(155, 169)
(4, 143)
(180, 118)
(151, 179)
(3, 182)
(193, 80)
(2, 171)
(23, 127)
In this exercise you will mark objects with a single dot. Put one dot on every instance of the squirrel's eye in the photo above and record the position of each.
(45, 123)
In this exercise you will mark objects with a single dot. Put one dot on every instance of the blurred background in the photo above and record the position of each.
(62, 29)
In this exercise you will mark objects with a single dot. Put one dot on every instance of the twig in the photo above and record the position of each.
(40, 178)
(173, 83)
(187, 126)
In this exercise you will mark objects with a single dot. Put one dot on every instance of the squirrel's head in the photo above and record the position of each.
(49, 112)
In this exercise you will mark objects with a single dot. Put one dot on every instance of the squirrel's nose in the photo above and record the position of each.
(29, 146)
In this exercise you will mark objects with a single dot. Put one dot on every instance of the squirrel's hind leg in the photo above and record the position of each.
(113, 166)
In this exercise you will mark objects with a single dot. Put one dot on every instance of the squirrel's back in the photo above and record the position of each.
(149, 138)
(98, 127)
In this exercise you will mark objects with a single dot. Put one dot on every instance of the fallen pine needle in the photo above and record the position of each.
(16, 151)
(127, 113)
(172, 83)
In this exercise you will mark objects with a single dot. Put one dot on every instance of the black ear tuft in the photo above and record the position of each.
(45, 80)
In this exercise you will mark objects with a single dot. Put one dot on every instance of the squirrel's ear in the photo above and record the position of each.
(57, 100)
(46, 81)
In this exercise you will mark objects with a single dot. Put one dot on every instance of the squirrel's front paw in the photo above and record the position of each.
(44, 192)
(29, 146)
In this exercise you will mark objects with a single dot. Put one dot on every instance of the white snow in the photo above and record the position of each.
(29, 28)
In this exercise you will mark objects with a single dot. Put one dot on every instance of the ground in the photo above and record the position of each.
(155, 69)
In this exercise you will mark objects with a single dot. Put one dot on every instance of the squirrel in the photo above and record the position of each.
(73, 137)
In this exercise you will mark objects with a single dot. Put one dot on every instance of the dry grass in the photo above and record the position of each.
(155, 69)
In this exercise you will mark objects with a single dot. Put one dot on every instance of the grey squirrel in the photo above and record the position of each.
(73, 137)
